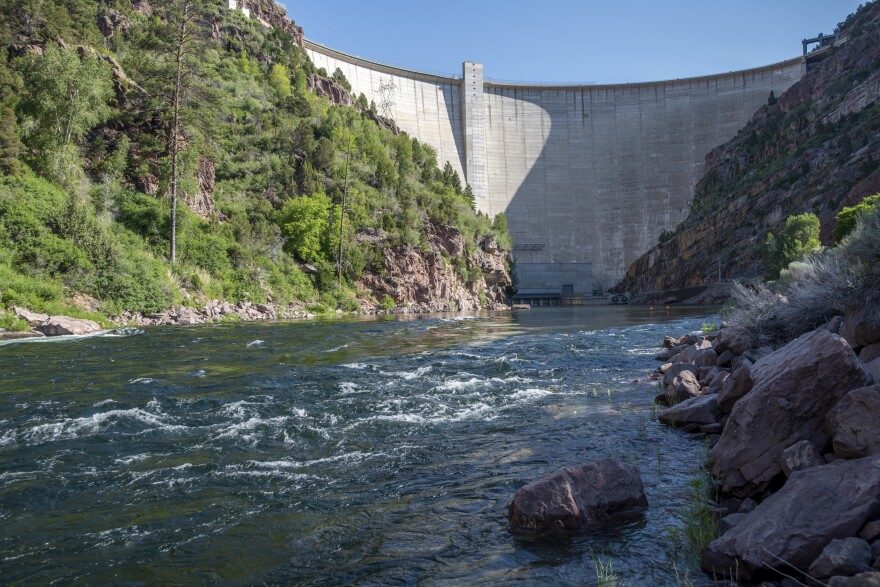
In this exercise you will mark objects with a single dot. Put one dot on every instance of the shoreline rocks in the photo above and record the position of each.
(800, 441)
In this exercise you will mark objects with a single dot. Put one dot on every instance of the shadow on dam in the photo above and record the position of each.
(594, 174)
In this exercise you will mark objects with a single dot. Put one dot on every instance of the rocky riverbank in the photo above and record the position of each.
(795, 435)
(41, 325)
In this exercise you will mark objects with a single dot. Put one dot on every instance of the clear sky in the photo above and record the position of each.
(610, 41)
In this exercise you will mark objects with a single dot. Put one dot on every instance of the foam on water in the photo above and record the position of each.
(102, 422)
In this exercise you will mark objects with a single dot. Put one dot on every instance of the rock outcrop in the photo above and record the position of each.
(419, 281)
(578, 498)
(274, 16)
(325, 88)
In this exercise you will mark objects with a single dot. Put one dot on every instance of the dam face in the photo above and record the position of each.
(588, 176)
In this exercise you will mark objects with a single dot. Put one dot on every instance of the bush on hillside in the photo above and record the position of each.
(845, 221)
(812, 291)
(799, 238)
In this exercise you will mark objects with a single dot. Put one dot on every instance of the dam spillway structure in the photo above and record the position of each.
(588, 176)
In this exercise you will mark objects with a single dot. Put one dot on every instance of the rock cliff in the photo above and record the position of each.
(432, 281)
(814, 149)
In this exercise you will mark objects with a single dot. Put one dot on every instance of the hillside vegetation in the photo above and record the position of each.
(96, 135)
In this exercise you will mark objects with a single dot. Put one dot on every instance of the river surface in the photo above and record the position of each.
(359, 452)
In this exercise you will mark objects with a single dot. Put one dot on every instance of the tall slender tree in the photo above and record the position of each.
(175, 89)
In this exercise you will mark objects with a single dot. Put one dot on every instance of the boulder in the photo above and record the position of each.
(870, 352)
(725, 358)
(664, 355)
(874, 369)
(696, 410)
(664, 368)
(871, 579)
(862, 322)
(700, 354)
(871, 532)
(717, 382)
(833, 325)
(677, 369)
(577, 498)
(7, 335)
(795, 387)
(794, 524)
(735, 386)
(64, 325)
(683, 387)
(799, 456)
(846, 556)
(729, 522)
(32, 318)
(854, 423)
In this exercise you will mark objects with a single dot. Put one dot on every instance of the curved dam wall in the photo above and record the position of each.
(588, 176)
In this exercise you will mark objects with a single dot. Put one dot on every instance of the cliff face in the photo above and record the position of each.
(815, 149)
(275, 16)
(428, 281)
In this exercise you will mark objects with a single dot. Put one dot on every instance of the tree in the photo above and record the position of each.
(279, 80)
(10, 143)
(799, 238)
(305, 223)
(67, 96)
(174, 85)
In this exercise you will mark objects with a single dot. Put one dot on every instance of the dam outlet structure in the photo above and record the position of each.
(588, 176)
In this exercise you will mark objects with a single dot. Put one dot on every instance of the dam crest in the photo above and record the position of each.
(588, 176)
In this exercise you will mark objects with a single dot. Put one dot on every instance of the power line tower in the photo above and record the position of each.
(386, 97)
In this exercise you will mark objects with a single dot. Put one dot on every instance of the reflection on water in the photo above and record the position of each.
(377, 451)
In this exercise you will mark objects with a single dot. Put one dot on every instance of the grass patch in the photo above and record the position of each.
(605, 575)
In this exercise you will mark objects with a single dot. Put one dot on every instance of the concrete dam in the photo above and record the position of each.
(588, 176)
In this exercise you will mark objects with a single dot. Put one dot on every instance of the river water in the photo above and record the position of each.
(363, 452)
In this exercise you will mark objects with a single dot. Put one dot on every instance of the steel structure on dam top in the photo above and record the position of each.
(588, 176)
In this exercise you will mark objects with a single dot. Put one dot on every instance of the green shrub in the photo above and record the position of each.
(799, 238)
(847, 218)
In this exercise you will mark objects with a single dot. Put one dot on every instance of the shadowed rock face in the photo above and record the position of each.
(795, 524)
(855, 423)
(578, 498)
(795, 388)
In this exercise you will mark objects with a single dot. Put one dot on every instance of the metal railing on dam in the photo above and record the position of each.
(588, 175)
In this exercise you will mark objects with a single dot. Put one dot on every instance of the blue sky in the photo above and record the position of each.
(611, 41)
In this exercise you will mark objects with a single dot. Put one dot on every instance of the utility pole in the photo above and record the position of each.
(342, 212)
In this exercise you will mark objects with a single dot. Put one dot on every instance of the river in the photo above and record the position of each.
(362, 452)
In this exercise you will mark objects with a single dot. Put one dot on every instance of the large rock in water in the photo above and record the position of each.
(64, 325)
(855, 423)
(576, 498)
(795, 524)
(795, 388)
